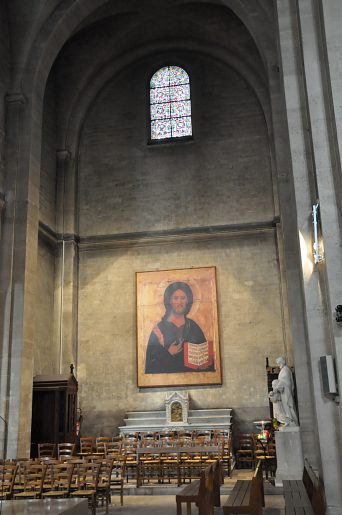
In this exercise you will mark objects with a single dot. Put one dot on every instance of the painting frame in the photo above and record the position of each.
(192, 360)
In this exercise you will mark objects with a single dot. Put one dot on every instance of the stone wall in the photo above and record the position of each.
(47, 197)
(4, 83)
(45, 350)
(221, 177)
(250, 326)
(126, 185)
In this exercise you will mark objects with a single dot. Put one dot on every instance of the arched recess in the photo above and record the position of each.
(91, 87)
(25, 120)
(60, 27)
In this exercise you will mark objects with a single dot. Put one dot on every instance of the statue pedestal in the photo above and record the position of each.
(290, 462)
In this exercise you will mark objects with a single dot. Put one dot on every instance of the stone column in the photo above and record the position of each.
(18, 260)
(67, 263)
(309, 113)
(2, 206)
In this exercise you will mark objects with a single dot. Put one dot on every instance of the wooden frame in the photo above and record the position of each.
(177, 328)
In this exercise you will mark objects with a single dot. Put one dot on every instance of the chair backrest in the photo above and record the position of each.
(245, 441)
(65, 450)
(86, 475)
(101, 441)
(87, 444)
(59, 475)
(34, 475)
(106, 465)
(112, 448)
(46, 450)
(8, 472)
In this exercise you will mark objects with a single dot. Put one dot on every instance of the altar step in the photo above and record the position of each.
(136, 421)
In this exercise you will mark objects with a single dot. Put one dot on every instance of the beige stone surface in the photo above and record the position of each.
(250, 325)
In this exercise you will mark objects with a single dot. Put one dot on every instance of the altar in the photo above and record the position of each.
(177, 416)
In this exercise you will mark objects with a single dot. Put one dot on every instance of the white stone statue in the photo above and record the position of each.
(284, 388)
(275, 398)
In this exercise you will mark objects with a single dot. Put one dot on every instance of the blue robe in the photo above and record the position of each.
(159, 360)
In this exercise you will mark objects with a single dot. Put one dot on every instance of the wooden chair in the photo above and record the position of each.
(58, 480)
(100, 443)
(19, 480)
(149, 466)
(113, 449)
(103, 487)
(65, 451)
(169, 463)
(245, 452)
(33, 480)
(129, 451)
(227, 455)
(87, 445)
(118, 476)
(87, 480)
(46, 450)
(8, 472)
(190, 466)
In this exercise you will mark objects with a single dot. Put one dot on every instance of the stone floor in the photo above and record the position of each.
(151, 502)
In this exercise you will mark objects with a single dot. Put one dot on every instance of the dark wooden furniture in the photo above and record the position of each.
(53, 409)
(247, 496)
(200, 493)
(244, 453)
(304, 496)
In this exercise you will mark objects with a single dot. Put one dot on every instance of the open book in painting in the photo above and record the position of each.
(198, 356)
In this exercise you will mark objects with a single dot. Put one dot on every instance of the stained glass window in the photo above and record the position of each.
(170, 104)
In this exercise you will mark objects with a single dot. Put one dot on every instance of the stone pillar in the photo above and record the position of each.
(67, 263)
(2, 206)
(309, 114)
(290, 462)
(18, 260)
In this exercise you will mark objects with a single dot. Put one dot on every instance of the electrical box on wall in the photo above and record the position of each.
(328, 375)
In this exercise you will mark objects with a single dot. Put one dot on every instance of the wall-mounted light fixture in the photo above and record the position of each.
(318, 252)
(328, 375)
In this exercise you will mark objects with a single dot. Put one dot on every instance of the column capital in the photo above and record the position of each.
(16, 98)
(63, 155)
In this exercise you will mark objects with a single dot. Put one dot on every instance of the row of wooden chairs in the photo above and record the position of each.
(211, 436)
(66, 449)
(251, 448)
(36, 479)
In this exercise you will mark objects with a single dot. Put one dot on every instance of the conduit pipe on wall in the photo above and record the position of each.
(62, 157)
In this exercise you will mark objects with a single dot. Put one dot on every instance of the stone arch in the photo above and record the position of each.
(90, 90)
(58, 28)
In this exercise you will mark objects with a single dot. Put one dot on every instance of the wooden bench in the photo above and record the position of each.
(205, 492)
(247, 496)
(306, 496)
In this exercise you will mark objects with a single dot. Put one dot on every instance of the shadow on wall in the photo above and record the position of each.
(101, 423)
(243, 419)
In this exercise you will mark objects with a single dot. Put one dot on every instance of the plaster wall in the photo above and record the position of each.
(250, 326)
(221, 177)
